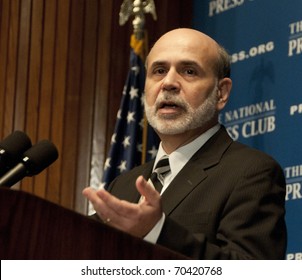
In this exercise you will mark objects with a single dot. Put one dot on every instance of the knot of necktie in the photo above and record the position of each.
(161, 168)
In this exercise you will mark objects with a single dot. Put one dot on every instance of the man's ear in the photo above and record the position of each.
(223, 93)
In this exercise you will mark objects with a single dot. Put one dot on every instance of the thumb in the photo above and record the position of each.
(147, 191)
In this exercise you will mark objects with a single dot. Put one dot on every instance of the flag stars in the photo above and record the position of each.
(113, 138)
(139, 147)
(102, 185)
(142, 123)
(153, 152)
(143, 99)
(125, 90)
(122, 167)
(133, 92)
(130, 117)
(107, 163)
(119, 114)
(126, 141)
(135, 69)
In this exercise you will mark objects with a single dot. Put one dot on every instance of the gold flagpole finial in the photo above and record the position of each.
(137, 8)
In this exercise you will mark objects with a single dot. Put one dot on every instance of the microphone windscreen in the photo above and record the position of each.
(16, 143)
(39, 156)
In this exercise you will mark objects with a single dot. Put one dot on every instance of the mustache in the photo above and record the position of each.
(167, 99)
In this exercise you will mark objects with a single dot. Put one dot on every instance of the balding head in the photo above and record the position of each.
(204, 46)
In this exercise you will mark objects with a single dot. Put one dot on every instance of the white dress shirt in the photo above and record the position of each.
(177, 161)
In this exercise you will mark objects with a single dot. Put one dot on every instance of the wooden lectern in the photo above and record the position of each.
(34, 228)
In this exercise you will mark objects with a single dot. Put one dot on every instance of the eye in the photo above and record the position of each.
(190, 71)
(159, 71)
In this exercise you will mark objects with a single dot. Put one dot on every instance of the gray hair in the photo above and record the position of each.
(223, 65)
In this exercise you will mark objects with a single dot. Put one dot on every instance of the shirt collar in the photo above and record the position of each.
(181, 156)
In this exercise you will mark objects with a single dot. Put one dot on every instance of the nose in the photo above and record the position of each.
(171, 81)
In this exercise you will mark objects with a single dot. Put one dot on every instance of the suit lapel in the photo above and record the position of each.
(194, 172)
(185, 181)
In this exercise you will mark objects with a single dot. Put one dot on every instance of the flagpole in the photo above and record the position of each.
(139, 8)
(145, 127)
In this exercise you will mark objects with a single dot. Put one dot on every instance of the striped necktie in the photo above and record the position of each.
(157, 176)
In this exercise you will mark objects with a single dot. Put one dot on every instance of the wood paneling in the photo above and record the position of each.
(63, 64)
(49, 59)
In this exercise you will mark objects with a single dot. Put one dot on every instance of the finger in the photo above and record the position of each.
(90, 194)
(102, 209)
(147, 191)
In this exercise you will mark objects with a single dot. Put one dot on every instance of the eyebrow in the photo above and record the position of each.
(158, 63)
(181, 62)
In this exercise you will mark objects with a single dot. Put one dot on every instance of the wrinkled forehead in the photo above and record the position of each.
(185, 44)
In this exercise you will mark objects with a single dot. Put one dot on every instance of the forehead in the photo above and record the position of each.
(184, 46)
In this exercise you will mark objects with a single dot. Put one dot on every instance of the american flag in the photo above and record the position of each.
(127, 142)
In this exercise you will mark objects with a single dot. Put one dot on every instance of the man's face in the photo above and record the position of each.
(181, 86)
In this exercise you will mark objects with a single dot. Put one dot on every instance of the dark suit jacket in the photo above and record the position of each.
(226, 203)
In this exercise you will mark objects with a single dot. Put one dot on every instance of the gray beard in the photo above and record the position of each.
(190, 119)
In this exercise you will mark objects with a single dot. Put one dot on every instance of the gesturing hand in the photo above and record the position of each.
(135, 218)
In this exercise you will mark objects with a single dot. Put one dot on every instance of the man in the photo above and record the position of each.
(220, 199)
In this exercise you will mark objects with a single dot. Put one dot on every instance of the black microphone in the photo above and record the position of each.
(34, 160)
(11, 150)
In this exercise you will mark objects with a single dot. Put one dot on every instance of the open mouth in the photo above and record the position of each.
(169, 108)
(167, 105)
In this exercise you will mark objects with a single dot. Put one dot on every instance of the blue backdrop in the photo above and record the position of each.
(264, 38)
